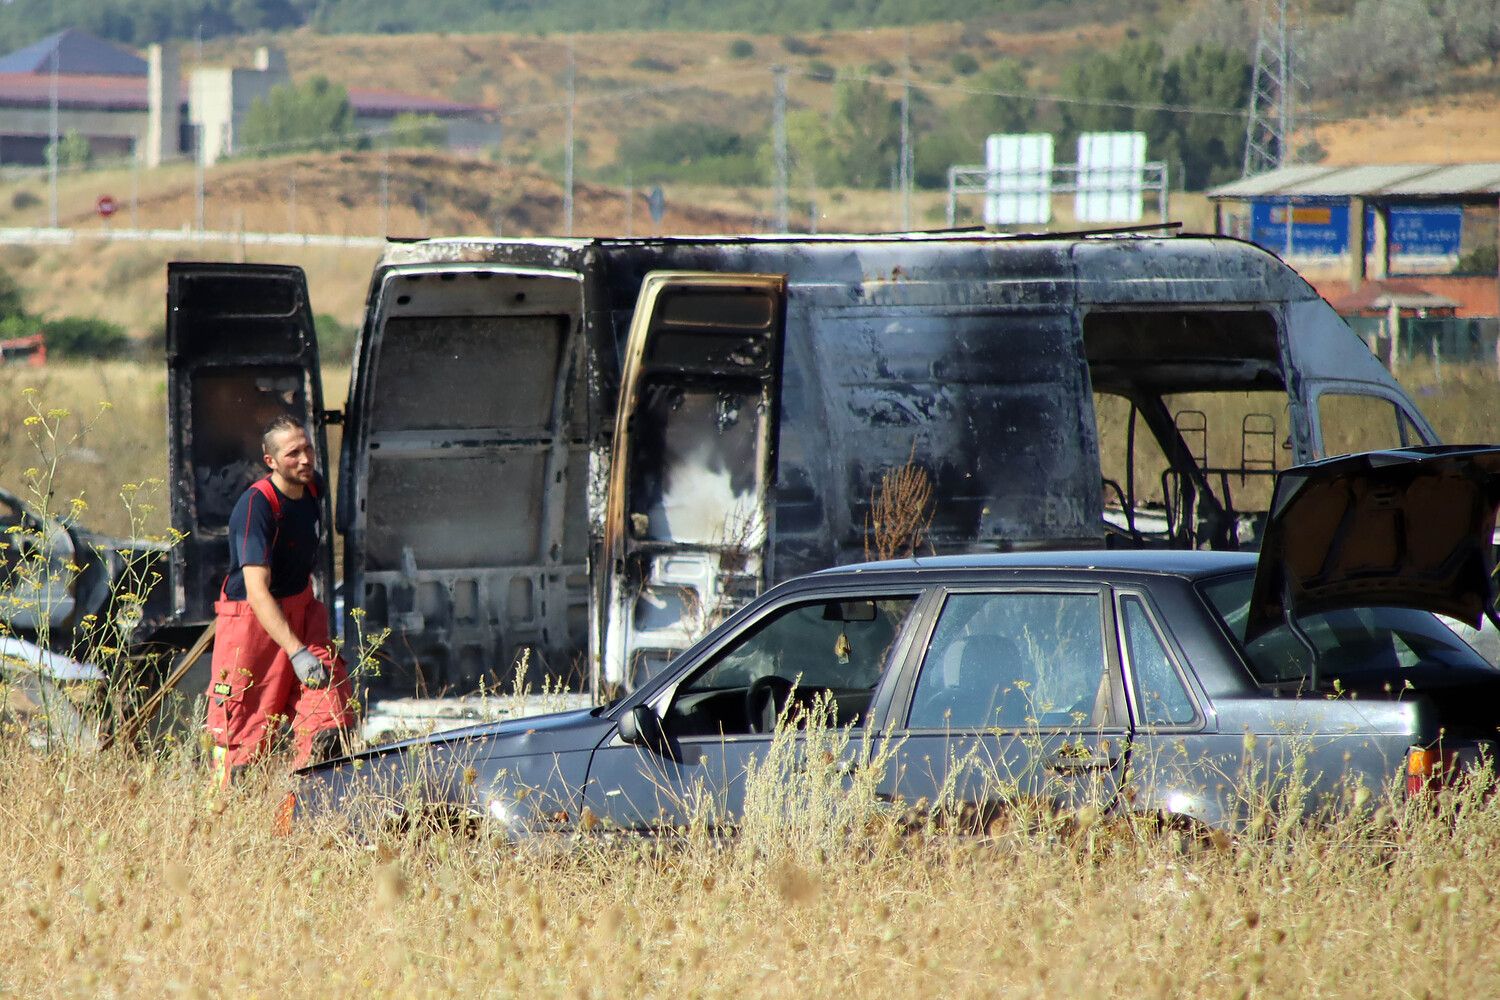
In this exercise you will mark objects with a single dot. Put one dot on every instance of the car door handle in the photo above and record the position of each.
(1065, 763)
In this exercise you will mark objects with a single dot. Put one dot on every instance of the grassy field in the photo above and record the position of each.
(125, 879)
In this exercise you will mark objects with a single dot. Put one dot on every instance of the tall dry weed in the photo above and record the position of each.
(901, 511)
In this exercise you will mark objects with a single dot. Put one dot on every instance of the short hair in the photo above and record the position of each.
(281, 422)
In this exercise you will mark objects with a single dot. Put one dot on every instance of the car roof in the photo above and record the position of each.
(1171, 562)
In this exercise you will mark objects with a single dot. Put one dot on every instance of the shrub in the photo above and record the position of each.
(11, 301)
(964, 64)
(883, 67)
(741, 48)
(24, 199)
(85, 337)
(821, 71)
(798, 46)
(651, 64)
(409, 130)
(335, 339)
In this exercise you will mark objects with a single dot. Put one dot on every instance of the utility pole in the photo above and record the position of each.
(198, 178)
(56, 149)
(905, 169)
(629, 202)
(385, 188)
(778, 141)
(1268, 127)
(568, 145)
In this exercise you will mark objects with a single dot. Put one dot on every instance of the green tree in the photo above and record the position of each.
(311, 115)
(1208, 147)
(1138, 90)
(865, 133)
(73, 150)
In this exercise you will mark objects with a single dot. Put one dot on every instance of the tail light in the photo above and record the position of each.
(1430, 768)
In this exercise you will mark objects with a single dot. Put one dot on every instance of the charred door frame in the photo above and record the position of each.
(183, 368)
(356, 458)
(617, 598)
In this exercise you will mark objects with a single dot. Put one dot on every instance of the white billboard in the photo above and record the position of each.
(1111, 177)
(1018, 180)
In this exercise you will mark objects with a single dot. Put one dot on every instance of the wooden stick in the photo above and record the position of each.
(127, 732)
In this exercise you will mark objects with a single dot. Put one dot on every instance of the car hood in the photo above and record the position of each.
(1410, 528)
(524, 726)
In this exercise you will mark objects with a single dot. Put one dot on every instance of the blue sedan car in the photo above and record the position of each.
(1160, 682)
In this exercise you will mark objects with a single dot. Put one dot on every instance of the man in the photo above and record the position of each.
(271, 657)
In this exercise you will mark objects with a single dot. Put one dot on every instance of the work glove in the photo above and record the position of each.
(311, 663)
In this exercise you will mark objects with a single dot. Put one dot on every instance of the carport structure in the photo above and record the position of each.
(1378, 187)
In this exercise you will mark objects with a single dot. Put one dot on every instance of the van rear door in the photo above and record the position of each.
(241, 349)
(686, 519)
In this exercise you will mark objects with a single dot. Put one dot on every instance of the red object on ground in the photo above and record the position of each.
(252, 685)
(32, 350)
(106, 205)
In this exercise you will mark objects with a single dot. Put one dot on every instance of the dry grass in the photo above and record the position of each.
(114, 433)
(123, 880)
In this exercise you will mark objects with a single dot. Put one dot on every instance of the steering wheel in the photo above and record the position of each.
(765, 699)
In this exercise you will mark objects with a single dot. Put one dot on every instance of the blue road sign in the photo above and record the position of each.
(1322, 228)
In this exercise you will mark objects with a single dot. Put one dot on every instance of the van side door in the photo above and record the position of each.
(687, 514)
(241, 349)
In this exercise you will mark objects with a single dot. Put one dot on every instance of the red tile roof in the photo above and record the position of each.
(1476, 295)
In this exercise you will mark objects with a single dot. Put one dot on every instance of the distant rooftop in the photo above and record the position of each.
(1395, 180)
(78, 53)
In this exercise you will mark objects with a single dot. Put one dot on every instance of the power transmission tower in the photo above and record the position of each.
(1268, 127)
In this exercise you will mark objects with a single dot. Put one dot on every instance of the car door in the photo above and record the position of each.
(1016, 702)
(831, 652)
(241, 349)
(687, 514)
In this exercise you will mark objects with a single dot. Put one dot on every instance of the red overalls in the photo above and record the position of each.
(252, 686)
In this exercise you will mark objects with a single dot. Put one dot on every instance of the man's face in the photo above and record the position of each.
(291, 455)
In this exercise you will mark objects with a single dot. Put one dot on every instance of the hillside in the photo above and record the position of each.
(427, 194)
(139, 22)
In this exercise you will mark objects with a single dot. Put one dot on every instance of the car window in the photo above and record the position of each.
(1014, 661)
(838, 649)
(1372, 645)
(1161, 697)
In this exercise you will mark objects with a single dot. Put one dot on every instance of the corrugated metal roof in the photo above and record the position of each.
(1393, 180)
(78, 52)
(1462, 178)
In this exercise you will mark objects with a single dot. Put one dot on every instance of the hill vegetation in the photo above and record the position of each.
(138, 22)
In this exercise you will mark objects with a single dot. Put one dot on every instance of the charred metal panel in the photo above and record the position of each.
(693, 458)
(1182, 272)
(468, 523)
(240, 350)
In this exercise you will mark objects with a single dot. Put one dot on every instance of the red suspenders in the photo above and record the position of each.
(264, 488)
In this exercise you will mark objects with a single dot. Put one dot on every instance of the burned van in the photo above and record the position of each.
(592, 449)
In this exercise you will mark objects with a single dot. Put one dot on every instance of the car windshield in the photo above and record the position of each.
(1365, 646)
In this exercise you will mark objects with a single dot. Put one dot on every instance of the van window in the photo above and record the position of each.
(1355, 422)
(1229, 447)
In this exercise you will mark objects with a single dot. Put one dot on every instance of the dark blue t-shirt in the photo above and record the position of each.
(252, 529)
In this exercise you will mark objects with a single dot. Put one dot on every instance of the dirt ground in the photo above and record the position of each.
(1454, 130)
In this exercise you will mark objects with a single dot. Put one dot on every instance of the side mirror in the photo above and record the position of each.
(640, 727)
